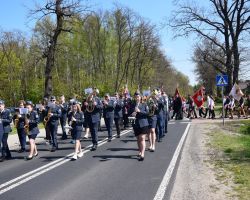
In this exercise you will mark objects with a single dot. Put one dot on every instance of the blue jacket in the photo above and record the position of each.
(6, 118)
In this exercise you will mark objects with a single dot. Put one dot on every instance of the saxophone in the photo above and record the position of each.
(26, 124)
(17, 119)
(46, 119)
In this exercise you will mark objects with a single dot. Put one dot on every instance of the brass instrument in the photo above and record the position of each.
(151, 106)
(90, 100)
(17, 119)
(46, 119)
(26, 124)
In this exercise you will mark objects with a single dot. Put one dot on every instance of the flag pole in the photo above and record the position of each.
(223, 106)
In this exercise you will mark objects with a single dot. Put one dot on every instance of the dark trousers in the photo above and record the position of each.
(5, 147)
(53, 133)
(1, 137)
(125, 120)
(47, 131)
(109, 125)
(118, 122)
(63, 123)
(207, 111)
(201, 112)
(22, 137)
(159, 127)
(94, 132)
(166, 122)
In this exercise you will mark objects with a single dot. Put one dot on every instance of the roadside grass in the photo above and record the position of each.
(232, 144)
(14, 131)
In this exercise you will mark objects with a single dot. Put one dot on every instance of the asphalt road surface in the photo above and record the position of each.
(110, 173)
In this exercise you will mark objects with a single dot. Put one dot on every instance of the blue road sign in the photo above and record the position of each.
(221, 80)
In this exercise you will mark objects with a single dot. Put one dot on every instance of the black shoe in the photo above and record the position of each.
(8, 157)
(2, 159)
(53, 149)
(64, 138)
(109, 140)
(160, 140)
(94, 147)
(152, 150)
(140, 158)
(21, 150)
(36, 155)
(118, 136)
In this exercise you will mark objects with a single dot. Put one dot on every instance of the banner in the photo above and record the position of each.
(198, 97)
(236, 92)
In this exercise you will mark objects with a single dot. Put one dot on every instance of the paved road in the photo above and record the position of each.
(112, 172)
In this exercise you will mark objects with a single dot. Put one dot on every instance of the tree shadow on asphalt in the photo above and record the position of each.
(110, 157)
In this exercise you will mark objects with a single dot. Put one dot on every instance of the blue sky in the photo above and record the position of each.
(13, 15)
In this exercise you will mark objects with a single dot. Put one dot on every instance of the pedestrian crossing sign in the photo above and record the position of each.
(221, 80)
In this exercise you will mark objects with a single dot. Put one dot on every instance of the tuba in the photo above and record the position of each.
(90, 100)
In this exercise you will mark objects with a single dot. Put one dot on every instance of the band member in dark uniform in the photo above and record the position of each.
(5, 118)
(18, 120)
(1, 137)
(31, 123)
(160, 118)
(152, 119)
(76, 122)
(43, 111)
(53, 114)
(140, 111)
(118, 113)
(126, 108)
(108, 114)
(93, 107)
(64, 109)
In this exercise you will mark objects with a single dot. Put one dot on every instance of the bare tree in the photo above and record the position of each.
(224, 24)
(62, 10)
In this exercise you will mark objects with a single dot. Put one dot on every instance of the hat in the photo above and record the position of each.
(52, 98)
(29, 103)
(136, 94)
(1, 101)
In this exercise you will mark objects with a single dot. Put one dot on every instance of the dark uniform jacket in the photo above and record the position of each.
(108, 110)
(6, 118)
(118, 108)
(56, 110)
(78, 124)
(20, 124)
(94, 116)
(33, 122)
(141, 118)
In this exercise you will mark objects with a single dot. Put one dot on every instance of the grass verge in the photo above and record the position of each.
(232, 144)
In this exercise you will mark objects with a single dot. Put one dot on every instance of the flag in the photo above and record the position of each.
(236, 92)
(198, 97)
(177, 93)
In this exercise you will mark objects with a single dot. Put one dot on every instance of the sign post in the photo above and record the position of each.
(222, 80)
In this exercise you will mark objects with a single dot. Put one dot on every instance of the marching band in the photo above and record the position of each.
(149, 114)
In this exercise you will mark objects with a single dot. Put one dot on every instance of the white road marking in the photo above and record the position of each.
(37, 172)
(163, 186)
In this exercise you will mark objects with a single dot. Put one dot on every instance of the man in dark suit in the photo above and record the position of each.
(108, 114)
(5, 118)
(118, 113)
